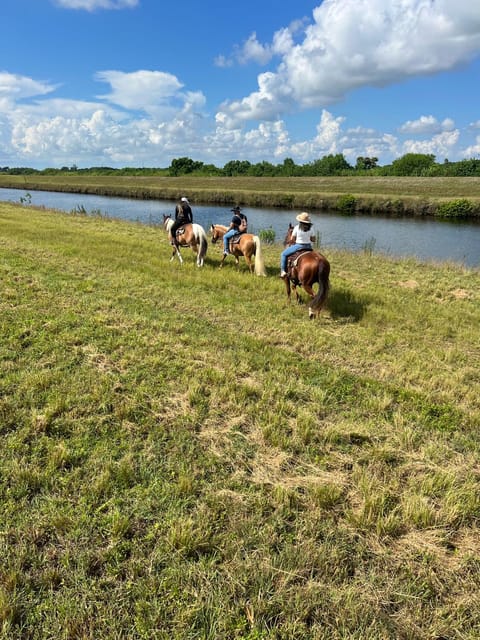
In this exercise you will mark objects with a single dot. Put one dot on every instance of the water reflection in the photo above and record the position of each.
(426, 239)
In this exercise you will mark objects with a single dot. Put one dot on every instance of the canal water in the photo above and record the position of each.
(425, 239)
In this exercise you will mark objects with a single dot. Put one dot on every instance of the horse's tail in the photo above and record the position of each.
(318, 301)
(167, 222)
(201, 238)
(259, 267)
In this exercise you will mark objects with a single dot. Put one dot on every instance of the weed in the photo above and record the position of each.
(267, 236)
(461, 208)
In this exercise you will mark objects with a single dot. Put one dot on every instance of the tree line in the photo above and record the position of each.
(410, 164)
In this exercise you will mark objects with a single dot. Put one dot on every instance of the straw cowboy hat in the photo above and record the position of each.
(303, 217)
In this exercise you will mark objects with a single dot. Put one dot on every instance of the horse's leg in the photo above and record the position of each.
(248, 250)
(176, 251)
(236, 253)
(293, 272)
(287, 287)
(196, 249)
(248, 260)
(311, 293)
(297, 295)
(308, 289)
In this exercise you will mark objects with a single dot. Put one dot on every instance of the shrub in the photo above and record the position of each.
(26, 199)
(267, 235)
(461, 208)
(347, 204)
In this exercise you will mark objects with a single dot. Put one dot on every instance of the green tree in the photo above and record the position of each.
(263, 168)
(181, 166)
(237, 168)
(467, 167)
(330, 165)
(413, 164)
(288, 168)
(365, 164)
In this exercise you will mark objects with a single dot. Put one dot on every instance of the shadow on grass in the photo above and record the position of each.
(344, 305)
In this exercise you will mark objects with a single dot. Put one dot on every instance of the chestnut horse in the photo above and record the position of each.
(188, 235)
(243, 244)
(305, 269)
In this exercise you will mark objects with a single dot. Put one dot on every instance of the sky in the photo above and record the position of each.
(137, 83)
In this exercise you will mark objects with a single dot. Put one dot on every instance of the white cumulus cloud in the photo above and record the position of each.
(140, 89)
(427, 125)
(55, 131)
(357, 43)
(16, 87)
(252, 50)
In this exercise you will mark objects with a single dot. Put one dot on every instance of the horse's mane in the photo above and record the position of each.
(221, 226)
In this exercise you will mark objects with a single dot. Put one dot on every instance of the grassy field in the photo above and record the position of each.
(396, 195)
(186, 456)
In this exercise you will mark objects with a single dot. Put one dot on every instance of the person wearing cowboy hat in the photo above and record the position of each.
(183, 215)
(303, 236)
(238, 224)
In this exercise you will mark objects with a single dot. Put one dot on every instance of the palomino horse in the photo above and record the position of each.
(188, 235)
(304, 269)
(243, 244)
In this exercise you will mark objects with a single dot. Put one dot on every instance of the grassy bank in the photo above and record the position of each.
(381, 195)
(184, 455)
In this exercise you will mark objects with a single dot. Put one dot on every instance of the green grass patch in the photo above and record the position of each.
(185, 455)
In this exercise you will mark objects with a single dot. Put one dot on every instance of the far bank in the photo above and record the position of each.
(396, 196)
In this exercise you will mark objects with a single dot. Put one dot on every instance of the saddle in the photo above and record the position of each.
(181, 231)
(293, 259)
(292, 262)
(236, 238)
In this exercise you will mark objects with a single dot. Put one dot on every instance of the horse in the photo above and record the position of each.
(304, 269)
(242, 244)
(188, 235)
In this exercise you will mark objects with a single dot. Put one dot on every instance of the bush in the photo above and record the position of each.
(347, 204)
(267, 235)
(461, 208)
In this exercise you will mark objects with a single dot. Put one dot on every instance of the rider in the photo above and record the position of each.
(183, 215)
(238, 225)
(303, 235)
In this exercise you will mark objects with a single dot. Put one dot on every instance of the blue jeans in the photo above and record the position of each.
(226, 238)
(288, 252)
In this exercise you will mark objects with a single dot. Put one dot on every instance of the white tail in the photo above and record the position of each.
(202, 241)
(259, 263)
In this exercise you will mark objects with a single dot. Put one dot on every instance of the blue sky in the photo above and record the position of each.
(140, 82)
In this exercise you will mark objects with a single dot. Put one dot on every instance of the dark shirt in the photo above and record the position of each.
(183, 213)
(236, 221)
